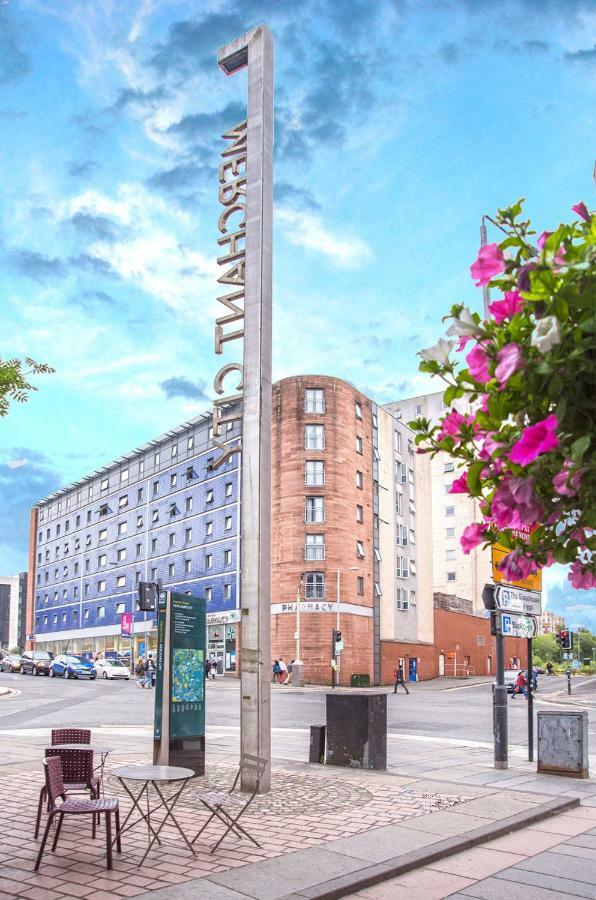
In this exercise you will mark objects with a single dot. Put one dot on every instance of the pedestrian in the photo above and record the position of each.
(549, 668)
(140, 672)
(533, 680)
(283, 671)
(150, 671)
(399, 679)
(289, 676)
(276, 670)
(213, 667)
(520, 686)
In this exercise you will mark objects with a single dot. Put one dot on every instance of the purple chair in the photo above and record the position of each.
(77, 773)
(71, 736)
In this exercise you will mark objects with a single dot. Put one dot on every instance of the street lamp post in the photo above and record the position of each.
(337, 628)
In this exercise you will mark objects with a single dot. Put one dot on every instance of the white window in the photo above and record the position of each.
(228, 523)
(141, 466)
(102, 560)
(121, 581)
(123, 501)
(64, 617)
(358, 444)
(359, 480)
(418, 410)
(402, 601)
(360, 552)
(314, 437)
(314, 546)
(397, 441)
(173, 479)
(121, 554)
(190, 443)
(450, 533)
(449, 467)
(101, 612)
(171, 570)
(139, 521)
(413, 567)
(402, 472)
(314, 509)
(86, 612)
(227, 592)
(208, 528)
(103, 536)
(358, 409)
(172, 539)
(156, 459)
(123, 475)
(450, 510)
(188, 566)
(450, 554)
(154, 516)
(101, 586)
(139, 549)
(314, 586)
(209, 496)
(208, 593)
(399, 504)
(229, 487)
(122, 527)
(155, 487)
(227, 557)
(402, 570)
(153, 544)
(314, 400)
(208, 560)
(188, 507)
(104, 484)
(120, 608)
(378, 591)
(377, 553)
(154, 574)
(402, 535)
(188, 535)
(360, 514)
(450, 576)
(314, 472)
(174, 451)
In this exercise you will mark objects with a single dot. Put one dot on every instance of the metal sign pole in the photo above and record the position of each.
(530, 705)
(500, 701)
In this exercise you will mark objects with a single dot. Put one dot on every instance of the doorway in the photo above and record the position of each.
(441, 664)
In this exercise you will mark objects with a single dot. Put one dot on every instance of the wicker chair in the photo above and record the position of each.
(77, 773)
(71, 736)
(56, 792)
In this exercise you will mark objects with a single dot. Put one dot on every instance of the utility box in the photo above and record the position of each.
(357, 730)
(297, 674)
(563, 743)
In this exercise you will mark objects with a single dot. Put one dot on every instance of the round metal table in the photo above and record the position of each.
(153, 776)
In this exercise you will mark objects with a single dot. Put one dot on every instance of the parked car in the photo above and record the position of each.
(36, 662)
(69, 666)
(10, 663)
(111, 668)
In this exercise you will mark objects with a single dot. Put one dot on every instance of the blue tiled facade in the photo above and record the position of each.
(159, 512)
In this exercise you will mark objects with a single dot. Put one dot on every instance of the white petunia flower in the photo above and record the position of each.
(439, 353)
(464, 325)
(546, 334)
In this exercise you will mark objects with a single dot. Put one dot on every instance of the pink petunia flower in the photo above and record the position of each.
(463, 340)
(460, 485)
(581, 578)
(566, 482)
(517, 565)
(515, 504)
(490, 262)
(484, 403)
(509, 360)
(536, 439)
(506, 308)
(477, 360)
(582, 211)
(543, 239)
(452, 423)
(472, 536)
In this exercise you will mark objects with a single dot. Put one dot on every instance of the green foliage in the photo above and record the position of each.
(14, 384)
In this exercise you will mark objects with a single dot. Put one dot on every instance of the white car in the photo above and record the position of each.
(111, 668)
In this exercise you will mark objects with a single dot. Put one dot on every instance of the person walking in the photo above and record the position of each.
(149, 672)
(283, 671)
(140, 672)
(520, 686)
(276, 670)
(549, 668)
(399, 679)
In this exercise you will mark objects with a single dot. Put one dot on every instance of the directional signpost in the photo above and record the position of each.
(516, 600)
(519, 626)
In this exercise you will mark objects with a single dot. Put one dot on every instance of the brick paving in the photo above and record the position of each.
(301, 811)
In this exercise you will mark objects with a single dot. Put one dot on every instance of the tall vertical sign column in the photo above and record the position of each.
(255, 50)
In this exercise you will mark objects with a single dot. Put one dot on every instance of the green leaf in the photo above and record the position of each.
(579, 447)
(450, 394)
(474, 477)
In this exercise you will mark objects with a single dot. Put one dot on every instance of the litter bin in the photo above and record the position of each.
(357, 730)
(360, 681)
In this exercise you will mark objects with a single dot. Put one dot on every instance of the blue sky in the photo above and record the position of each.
(398, 124)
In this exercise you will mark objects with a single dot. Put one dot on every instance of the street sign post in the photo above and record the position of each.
(513, 625)
(515, 600)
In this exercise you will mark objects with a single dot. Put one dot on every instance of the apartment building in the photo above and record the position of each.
(12, 608)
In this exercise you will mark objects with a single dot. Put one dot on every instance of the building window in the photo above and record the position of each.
(137, 577)
(139, 521)
(141, 466)
(402, 567)
(153, 545)
(172, 539)
(208, 560)
(450, 533)
(155, 487)
(358, 444)
(88, 515)
(360, 514)
(359, 480)
(171, 570)
(314, 509)
(402, 601)
(101, 586)
(102, 560)
(188, 535)
(188, 566)
(450, 510)
(156, 460)
(314, 546)
(314, 473)
(174, 451)
(122, 527)
(174, 511)
(121, 581)
(314, 437)
(227, 557)
(190, 443)
(120, 608)
(154, 574)
(360, 585)
(154, 516)
(123, 501)
(139, 494)
(104, 484)
(173, 479)
(314, 400)
(228, 523)
(378, 591)
(75, 591)
(360, 552)
(87, 564)
(139, 549)
(102, 536)
(208, 593)
(450, 554)
(121, 555)
(76, 568)
(402, 535)
(208, 528)
(123, 475)
(401, 472)
(449, 467)
(190, 473)
(399, 504)
(209, 496)
(77, 543)
(67, 524)
(450, 576)
(227, 592)
(314, 586)
(188, 506)
(103, 509)
(412, 567)
(229, 488)
(358, 409)
(101, 612)
(418, 410)
(86, 614)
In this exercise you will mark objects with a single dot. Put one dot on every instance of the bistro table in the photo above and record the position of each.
(97, 748)
(153, 776)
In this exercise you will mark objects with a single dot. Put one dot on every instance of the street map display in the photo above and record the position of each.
(188, 676)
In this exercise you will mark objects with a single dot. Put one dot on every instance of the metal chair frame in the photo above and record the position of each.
(217, 808)
(56, 791)
(77, 767)
(71, 736)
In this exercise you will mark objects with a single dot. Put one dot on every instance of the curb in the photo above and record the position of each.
(406, 862)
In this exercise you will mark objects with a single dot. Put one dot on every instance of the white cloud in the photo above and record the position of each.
(304, 229)
(17, 463)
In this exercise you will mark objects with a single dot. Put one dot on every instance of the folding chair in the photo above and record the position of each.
(217, 801)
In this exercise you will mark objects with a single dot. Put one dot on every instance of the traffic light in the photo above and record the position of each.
(565, 640)
(338, 643)
(147, 601)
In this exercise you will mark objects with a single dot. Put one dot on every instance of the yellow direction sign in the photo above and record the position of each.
(531, 583)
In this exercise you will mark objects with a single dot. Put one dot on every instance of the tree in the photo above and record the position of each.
(14, 385)
(545, 648)
(529, 380)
